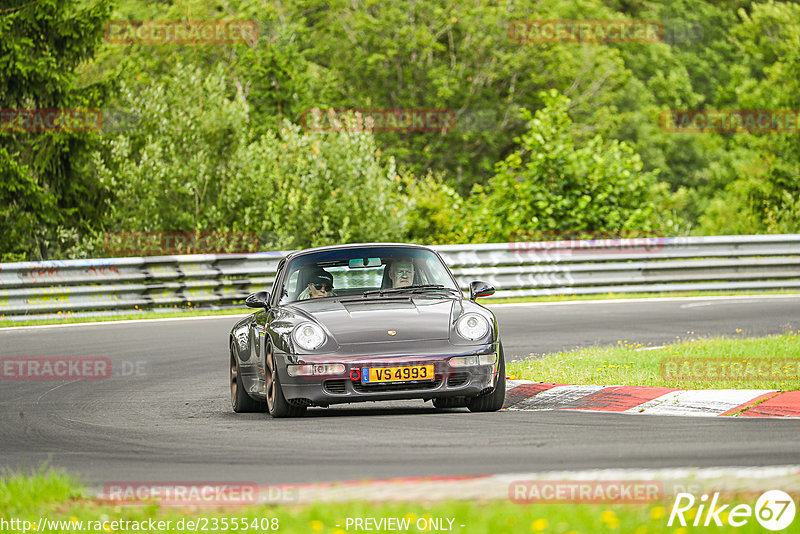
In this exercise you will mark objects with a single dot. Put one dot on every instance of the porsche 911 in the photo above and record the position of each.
(371, 322)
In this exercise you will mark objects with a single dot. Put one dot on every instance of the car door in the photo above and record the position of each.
(260, 325)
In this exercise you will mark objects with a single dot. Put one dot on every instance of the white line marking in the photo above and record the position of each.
(703, 304)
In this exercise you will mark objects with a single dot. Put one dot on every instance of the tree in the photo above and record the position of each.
(312, 189)
(45, 182)
(765, 196)
(194, 162)
(166, 172)
(553, 184)
(456, 55)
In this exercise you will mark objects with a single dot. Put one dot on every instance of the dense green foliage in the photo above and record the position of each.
(46, 187)
(548, 138)
(193, 162)
(552, 184)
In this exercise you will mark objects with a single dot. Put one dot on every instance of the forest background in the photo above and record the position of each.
(549, 140)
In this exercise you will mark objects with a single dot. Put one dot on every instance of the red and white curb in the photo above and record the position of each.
(536, 396)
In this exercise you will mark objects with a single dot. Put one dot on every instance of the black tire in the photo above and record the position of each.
(240, 400)
(277, 405)
(449, 402)
(494, 400)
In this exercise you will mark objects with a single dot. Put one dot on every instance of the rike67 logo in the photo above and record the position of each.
(774, 510)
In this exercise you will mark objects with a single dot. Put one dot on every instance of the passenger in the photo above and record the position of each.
(401, 273)
(319, 285)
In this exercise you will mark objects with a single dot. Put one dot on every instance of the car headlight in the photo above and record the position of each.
(472, 326)
(308, 335)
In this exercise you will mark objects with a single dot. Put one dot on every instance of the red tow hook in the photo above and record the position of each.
(355, 374)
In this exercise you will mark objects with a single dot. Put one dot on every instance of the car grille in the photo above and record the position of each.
(378, 388)
(457, 379)
(336, 387)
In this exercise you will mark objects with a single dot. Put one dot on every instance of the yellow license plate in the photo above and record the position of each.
(409, 373)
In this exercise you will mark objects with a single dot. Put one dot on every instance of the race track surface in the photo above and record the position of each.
(169, 418)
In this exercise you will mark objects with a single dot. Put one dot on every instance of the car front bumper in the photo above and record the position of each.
(469, 381)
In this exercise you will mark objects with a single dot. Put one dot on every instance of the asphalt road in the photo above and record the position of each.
(168, 416)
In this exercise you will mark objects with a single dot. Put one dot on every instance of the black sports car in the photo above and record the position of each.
(371, 322)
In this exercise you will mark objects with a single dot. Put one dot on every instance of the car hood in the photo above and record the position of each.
(382, 319)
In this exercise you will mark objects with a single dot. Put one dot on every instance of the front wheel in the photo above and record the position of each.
(277, 405)
(494, 400)
(240, 400)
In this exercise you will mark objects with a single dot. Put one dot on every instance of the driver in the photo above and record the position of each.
(320, 284)
(401, 273)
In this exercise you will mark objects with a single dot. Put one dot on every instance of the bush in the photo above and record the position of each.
(551, 184)
(193, 163)
(433, 212)
(298, 189)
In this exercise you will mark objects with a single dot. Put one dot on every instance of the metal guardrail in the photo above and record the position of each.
(662, 264)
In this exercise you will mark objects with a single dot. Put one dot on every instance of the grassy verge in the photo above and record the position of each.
(615, 296)
(771, 362)
(68, 319)
(56, 497)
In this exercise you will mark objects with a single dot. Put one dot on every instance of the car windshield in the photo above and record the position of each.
(356, 271)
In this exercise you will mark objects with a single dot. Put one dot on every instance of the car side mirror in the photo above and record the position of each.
(478, 288)
(258, 300)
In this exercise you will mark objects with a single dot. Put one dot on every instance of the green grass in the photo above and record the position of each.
(687, 364)
(616, 296)
(58, 497)
(68, 319)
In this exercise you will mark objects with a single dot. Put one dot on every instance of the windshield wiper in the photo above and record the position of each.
(412, 289)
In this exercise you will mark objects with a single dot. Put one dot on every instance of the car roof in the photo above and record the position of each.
(296, 253)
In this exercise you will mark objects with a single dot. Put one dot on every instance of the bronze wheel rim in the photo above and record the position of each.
(234, 381)
(269, 377)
